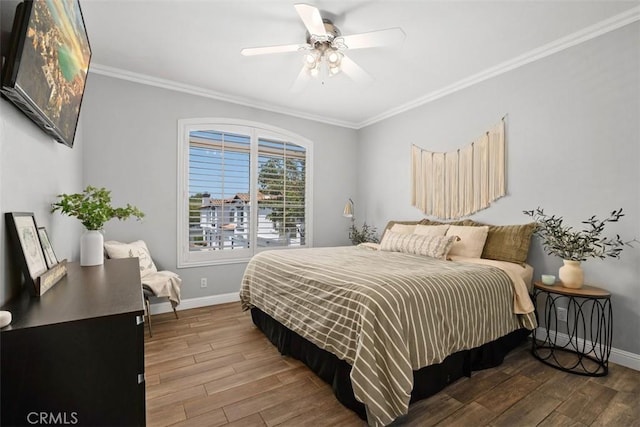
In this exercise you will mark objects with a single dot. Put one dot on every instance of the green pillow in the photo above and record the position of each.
(507, 242)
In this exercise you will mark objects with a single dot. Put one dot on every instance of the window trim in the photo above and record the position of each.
(186, 258)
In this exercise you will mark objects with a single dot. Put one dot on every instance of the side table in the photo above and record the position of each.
(582, 344)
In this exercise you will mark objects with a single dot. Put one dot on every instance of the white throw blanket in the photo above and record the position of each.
(164, 284)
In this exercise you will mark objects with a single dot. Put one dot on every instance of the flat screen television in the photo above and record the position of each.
(46, 69)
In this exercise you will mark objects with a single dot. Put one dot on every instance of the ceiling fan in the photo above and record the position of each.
(325, 47)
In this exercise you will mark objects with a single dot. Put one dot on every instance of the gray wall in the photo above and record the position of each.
(131, 145)
(33, 170)
(573, 138)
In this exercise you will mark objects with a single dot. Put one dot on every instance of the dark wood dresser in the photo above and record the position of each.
(75, 355)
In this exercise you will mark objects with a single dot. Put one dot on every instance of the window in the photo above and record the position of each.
(243, 187)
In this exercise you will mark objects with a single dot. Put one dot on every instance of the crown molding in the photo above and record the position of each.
(588, 33)
(618, 21)
(148, 80)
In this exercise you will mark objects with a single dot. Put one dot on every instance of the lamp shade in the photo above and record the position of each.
(348, 209)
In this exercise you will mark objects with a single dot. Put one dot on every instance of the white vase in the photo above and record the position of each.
(571, 274)
(91, 248)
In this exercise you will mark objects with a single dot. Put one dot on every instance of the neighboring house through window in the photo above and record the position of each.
(242, 187)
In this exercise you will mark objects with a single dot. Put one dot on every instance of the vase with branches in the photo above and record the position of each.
(575, 246)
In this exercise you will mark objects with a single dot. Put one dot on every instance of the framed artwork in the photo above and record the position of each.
(47, 65)
(26, 246)
(47, 249)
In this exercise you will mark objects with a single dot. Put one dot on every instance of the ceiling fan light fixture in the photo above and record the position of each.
(310, 59)
(325, 47)
(333, 58)
(323, 56)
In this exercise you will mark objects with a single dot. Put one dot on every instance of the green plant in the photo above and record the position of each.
(577, 245)
(93, 207)
(366, 234)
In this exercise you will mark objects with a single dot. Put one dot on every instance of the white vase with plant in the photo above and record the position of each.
(575, 246)
(93, 208)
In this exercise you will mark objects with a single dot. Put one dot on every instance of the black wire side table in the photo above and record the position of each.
(582, 344)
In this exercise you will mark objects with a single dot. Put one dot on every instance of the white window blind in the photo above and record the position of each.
(219, 170)
(243, 188)
(281, 193)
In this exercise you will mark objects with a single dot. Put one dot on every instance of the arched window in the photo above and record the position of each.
(242, 187)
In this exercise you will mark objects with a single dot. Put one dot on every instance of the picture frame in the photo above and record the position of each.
(25, 241)
(47, 249)
(52, 276)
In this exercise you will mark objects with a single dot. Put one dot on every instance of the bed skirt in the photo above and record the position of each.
(427, 381)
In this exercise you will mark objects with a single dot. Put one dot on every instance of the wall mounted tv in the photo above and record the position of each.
(46, 69)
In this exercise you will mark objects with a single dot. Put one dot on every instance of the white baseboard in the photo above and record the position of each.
(165, 307)
(620, 357)
(625, 358)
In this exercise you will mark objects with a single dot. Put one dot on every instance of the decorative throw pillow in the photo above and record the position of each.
(431, 246)
(431, 230)
(390, 225)
(508, 242)
(137, 249)
(472, 240)
(403, 228)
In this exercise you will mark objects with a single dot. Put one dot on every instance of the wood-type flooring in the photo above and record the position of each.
(213, 367)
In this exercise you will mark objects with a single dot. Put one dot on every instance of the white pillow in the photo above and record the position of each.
(431, 246)
(137, 249)
(403, 228)
(431, 230)
(471, 241)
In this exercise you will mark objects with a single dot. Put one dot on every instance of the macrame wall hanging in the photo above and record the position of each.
(459, 183)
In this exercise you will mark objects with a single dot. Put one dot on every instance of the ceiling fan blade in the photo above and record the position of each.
(386, 37)
(302, 80)
(311, 18)
(251, 51)
(354, 71)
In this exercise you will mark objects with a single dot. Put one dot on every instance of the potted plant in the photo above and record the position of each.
(575, 246)
(366, 234)
(93, 208)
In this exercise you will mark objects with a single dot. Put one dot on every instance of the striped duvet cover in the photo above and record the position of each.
(385, 313)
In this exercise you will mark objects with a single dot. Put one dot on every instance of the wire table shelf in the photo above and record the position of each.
(581, 343)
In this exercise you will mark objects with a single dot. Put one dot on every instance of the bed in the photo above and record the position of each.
(386, 327)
